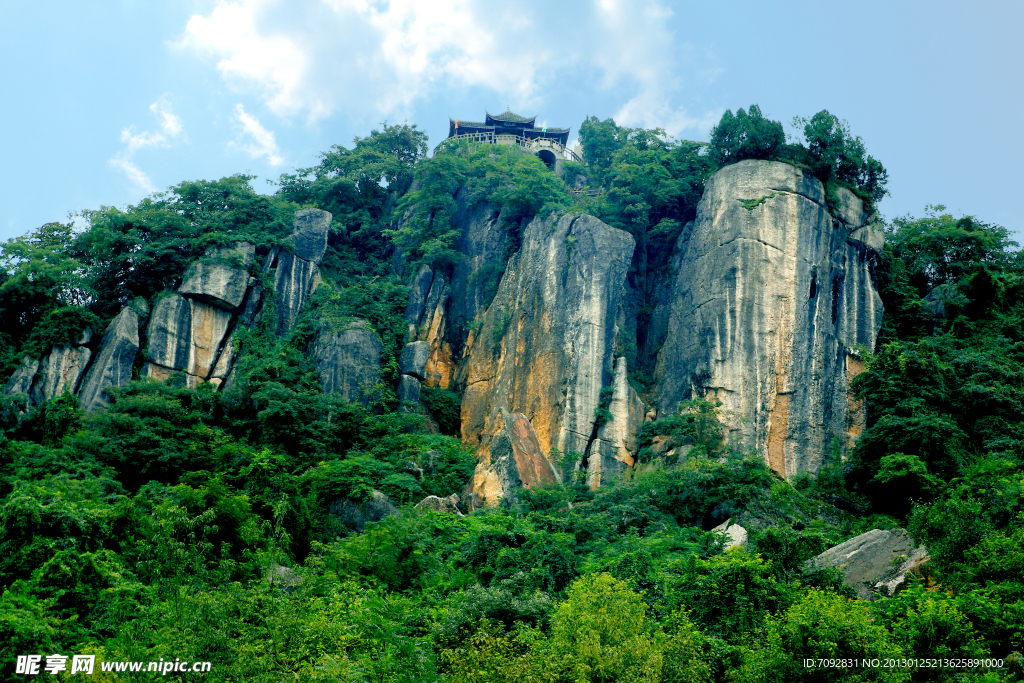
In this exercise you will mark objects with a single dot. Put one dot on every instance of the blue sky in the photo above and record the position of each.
(105, 102)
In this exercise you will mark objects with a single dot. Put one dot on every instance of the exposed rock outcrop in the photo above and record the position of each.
(309, 235)
(348, 359)
(612, 451)
(293, 284)
(449, 505)
(59, 372)
(546, 343)
(355, 516)
(169, 333)
(112, 366)
(875, 563)
(445, 314)
(21, 381)
(297, 274)
(771, 296)
(413, 360)
(735, 535)
(514, 459)
(185, 334)
(221, 278)
(408, 390)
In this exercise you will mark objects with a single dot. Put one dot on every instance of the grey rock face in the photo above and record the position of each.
(875, 563)
(310, 234)
(348, 360)
(220, 278)
(449, 505)
(21, 381)
(610, 453)
(483, 244)
(546, 343)
(185, 335)
(113, 364)
(293, 284)
(860, 227)
(418, 290)
(409, 389)
(735, 535)
(169, 333)
(413, 360)
(515, 459)
(770, 299)
(60, 372)
(471, 501)
(296, 276)
(355, 516)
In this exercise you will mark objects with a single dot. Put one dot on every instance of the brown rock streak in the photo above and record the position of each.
(777, 434)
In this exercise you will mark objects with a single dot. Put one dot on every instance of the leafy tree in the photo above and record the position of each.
(835, 155)
(821, 625)
(745, 136)
(601, 633)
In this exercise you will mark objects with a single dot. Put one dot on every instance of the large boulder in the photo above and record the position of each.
(875, 563)
(772, 297)
(545, 346)
(449, 505)
(355, 516)
(348, 359)
(309, 235)
(112, 366)
(735, 536)
(221, 277)
(413, 360)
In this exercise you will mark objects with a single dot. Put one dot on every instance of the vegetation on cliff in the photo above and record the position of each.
(204, 525)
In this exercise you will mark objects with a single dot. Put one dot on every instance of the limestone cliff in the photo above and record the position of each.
(545, 346)
(772, 298)
(764, 303)
(193, 330)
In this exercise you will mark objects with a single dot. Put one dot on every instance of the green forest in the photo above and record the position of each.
(196, 524)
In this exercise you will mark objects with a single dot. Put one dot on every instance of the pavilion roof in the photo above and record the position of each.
(509, 116)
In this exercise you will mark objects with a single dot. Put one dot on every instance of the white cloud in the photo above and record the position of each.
(372, 58)
(170, 131)
(254, 139)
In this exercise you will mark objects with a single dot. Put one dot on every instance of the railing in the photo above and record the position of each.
(525, 144)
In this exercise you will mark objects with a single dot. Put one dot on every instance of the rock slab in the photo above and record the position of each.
(515, 459)
(221, 277)
(348, 359)
(113, 364)
(413, 360)
(875, 563)
(772, 296)
(545, 346)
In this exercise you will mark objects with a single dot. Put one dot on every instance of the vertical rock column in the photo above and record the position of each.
(545, 347)
(770, 295)
(297, 274)
(612, 451)
(112, 366)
